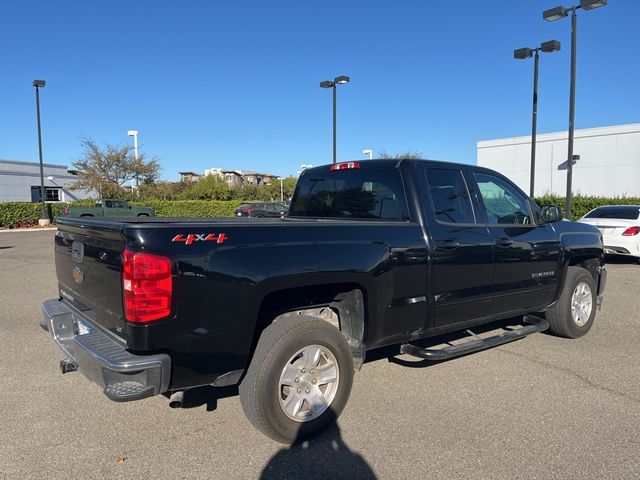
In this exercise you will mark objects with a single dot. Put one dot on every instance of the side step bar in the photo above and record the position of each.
(536, 324)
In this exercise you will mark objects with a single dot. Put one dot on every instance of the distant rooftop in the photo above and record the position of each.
(31, 164)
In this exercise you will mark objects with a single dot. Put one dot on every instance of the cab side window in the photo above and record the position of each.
(504, 203)
(450, 196)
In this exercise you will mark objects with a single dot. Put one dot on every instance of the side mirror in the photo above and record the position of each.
(550, 213)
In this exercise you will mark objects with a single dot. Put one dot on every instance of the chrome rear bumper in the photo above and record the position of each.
(103, 360)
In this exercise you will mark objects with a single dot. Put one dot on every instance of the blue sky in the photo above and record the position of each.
(235, 84)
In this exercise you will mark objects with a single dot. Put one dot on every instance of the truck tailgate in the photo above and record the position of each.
(89, 270)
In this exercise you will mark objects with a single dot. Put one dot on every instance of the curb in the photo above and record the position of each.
(47, 229)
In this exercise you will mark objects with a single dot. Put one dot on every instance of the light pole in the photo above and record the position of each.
(341, 80)
(521, 54)
(44, 218)
(134, 134)
(369, 152)
(281, 189)
(556, 14)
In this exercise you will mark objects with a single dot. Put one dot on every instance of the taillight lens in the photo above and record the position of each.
(66, 210)
(147, 285)
(345, 166)
(631, 231)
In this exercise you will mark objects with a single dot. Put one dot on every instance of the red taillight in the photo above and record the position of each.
(345, 166)
(66, 210)
(248, 211)
(147, 285)
(631, 231)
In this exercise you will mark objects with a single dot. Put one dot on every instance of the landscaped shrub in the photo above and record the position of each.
(23, 214)
(191, 208)
(581, 205)
(13, 214)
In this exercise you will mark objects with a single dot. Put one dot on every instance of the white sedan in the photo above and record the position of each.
(620, 227)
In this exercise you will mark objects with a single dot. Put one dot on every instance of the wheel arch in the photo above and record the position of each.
(344, 305)
(590, 263)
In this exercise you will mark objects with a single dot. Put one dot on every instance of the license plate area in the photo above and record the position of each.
(81, 328)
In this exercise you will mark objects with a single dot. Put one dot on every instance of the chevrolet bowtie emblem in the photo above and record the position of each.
(78, 274)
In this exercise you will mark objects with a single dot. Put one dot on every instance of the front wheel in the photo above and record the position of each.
(299, 379)
(573, 314)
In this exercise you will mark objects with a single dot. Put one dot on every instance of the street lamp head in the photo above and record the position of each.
(550, 46)
(39, 83)
(555, 13)
(591, 4)
(132, 133)
(327, 84)
(522, 53)
(342, 79)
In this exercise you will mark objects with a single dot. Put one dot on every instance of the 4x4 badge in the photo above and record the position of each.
(199, 237)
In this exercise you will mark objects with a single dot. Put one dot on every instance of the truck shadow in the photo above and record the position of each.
(322, 457)
(209, 396)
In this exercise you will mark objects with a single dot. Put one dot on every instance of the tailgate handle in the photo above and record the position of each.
(448, 245)
(504, 242)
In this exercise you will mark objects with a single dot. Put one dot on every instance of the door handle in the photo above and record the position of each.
(448, 245)
(504, 242)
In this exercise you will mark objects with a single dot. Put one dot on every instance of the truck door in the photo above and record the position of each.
(118, 209)
(462, 250)
(526, 254)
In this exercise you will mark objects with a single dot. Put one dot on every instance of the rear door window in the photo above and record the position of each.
(450, 196)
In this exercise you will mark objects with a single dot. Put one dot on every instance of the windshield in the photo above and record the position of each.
(358, 194)
(620, 213)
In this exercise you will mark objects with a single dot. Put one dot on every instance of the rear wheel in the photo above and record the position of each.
(573, 314)
(299, 379)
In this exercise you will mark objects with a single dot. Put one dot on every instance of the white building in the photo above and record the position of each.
(20, 182)
(609, 163)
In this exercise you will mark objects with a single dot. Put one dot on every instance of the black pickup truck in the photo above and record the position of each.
(373, 253)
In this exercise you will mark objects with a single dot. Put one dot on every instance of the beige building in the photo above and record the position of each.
(609, 163)
(238, 178)
(189, 177)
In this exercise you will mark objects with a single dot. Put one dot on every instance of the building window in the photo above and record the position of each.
(52, 194)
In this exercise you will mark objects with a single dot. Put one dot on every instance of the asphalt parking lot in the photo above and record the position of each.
(539, 408)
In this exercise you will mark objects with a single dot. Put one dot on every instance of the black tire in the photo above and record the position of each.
(261, 387)
(86, 215)
(559, 315)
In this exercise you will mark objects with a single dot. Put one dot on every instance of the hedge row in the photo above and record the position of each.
(26, 214)
(192, 208)
(581, 205)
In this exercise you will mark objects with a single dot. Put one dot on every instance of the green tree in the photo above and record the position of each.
(209, 187)
(106, 169)
(162, 190)
(409, 154)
